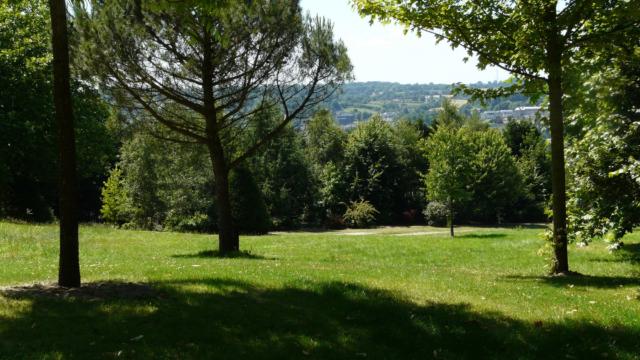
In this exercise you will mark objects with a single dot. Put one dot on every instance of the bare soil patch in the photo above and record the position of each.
(101, 290)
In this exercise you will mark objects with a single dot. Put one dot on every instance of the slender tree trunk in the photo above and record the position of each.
(69, 266)
(450, 218)
(554, 67)
(228, 239)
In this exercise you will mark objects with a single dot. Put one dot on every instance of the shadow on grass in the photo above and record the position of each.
(102, 290)
(481, 236)
(580, 280)
(628, 253)
(216, 318)
(215, 254)
(511, 226)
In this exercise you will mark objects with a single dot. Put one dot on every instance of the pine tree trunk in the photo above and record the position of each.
(228, 239)
(554, 66)
(69, 262)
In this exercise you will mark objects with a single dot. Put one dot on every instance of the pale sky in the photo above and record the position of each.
(383, 53)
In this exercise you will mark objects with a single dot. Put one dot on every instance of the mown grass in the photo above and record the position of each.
(392, 293)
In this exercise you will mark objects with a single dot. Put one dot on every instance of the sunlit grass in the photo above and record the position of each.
(386, 293)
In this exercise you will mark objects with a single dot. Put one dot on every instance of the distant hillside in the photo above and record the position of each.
(360, 100)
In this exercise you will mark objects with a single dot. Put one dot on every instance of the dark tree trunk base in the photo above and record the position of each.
(228, 239)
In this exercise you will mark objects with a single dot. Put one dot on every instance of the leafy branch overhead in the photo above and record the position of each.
(509, 35)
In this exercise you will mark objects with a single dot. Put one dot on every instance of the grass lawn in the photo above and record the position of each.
(393, 293)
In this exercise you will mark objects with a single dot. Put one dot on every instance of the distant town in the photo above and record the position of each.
(359, 101)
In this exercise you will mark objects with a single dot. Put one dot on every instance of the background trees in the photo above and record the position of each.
(449, 180)
(536, 42)
(371, 169)
(204, 70)
(605, 146)
(28, 164)
(496, 179)
(531, 152)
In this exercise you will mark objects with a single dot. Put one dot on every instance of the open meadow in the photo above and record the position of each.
(389, 293)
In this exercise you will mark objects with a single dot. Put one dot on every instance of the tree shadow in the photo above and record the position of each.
(628, 253)
(511, 226)
(218, 318)
(481, 236)
(100, 290)
(579, 280)
(215, 254)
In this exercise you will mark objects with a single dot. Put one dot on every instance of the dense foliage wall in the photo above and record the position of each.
(321, 175)
(28, 156)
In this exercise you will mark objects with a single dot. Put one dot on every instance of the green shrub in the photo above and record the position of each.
(360, 214)
(436, 213)
(115, 202)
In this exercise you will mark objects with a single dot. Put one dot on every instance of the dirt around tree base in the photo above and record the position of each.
(100, 290)
(566, 274)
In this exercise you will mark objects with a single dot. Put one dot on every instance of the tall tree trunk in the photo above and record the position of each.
(69, 265)
(228, 239)
(556, 119)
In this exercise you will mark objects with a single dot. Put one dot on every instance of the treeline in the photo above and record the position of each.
(322, 176)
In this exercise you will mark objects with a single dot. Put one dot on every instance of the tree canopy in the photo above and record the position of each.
(536, 41)
(204, 70)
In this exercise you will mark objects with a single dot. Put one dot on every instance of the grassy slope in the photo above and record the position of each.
(323, 295)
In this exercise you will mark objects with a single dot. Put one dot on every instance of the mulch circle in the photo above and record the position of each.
(101, 290)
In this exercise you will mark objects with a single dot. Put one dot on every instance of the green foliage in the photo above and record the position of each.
(156, 186)
(533, 160)
(28, 150)
(360, 214)
(604, 196)
(448, 116)
(471, 169)
(520, 135)
(509, 35)
(115, 200)
(205, 71)
(248, 207)
(372, 168)
(284, 175)
(538, 42)
(436, 213)
(408, 137)
(496, 181)
(324, 140)
(449, 179)
(163, 186)
(139, 160)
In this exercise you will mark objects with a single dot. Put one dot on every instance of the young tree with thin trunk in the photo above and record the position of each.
(69, 271)
(205, 69)
(535, 40)
(449, 178)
